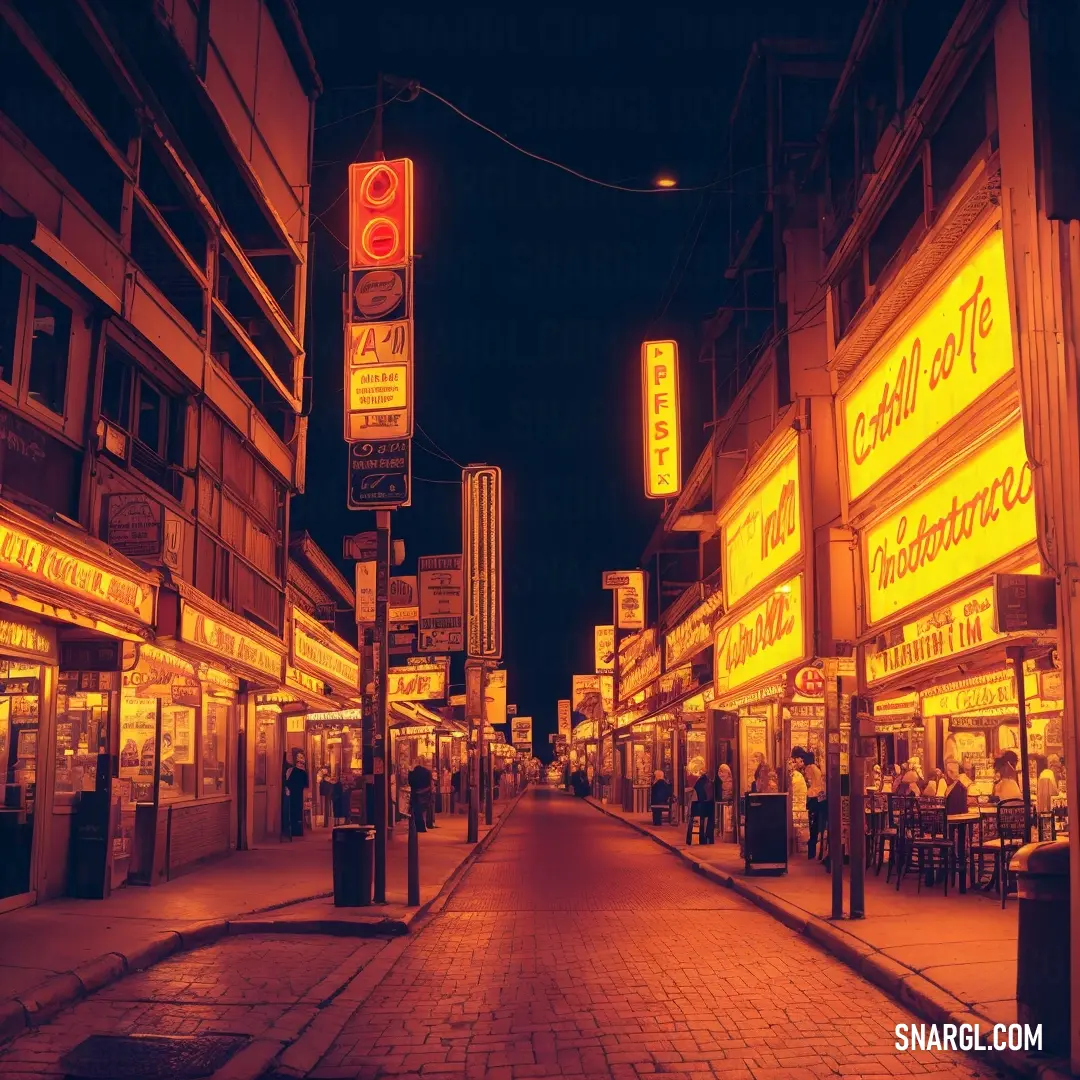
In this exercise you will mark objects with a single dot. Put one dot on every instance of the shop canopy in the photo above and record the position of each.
(693, 701)
(411, 714)
(584, 731)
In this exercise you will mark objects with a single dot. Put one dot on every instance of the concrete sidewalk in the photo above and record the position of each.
(56, 952)
(949, 959)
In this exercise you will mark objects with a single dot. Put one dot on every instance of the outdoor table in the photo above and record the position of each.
(960, 825)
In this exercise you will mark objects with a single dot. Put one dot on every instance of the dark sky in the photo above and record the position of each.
(534, 289)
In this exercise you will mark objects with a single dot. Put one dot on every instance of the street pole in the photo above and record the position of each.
(1016, 654)
(414, 861)
(832, 788)
(379, 657)
(485, 749)
(377, 126)
(857, 771)
(474, 702)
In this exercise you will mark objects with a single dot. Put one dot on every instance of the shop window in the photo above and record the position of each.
(10, 302)
(904, 215)
(962, 132)
(82, 733)
(215, 742)
(20, 685)
(50, 345)
(177, 752)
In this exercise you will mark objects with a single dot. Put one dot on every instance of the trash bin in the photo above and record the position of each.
(1042, 970)
(353, 856)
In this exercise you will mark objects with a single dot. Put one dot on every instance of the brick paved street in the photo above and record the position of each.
(574, 947)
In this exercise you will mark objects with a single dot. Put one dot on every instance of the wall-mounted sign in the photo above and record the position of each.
(135, 524)
(954, 352)
(417, 683)
(695, 632)
(947, 631)
(481, 519)
(979, 692)
(639, 662)
(903, 705)
(401, 642)
(403, 600)
(441, 604)
(660, 418)
(366, 577)
(767, 639)
(29, 558)
(604, 648)
(607, 694)
(810, 682)
(380, 476)
(28, 638)
(564, 718)
(585, 698)
(495, 707)
(378, 381)
(511, 709)
(976, 515)
(761, 530)
(315, 649)
(1025, 602)
(225, 640)
(521, 733)
(376, 294)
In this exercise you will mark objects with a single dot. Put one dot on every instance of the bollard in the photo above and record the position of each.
(414, 863)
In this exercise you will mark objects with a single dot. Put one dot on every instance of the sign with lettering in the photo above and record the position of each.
(980, 512)
(379, 475)
(564, 717)
(521, 728)
(416, 683)
(604, 648)
(695, 632)
(481, 523)
(404, 604)
(639, 662)
(23, 637)
(378, 380)
(315, 649)
(979, 692)
(953, 353)
(31, 559)
(660, 418)
(202, 629)
(135, 524)
(607, 694)
(762, 529)
(767, 639)
(952, 629)
(904, 705)
(585, 698)
(631, 601)
(366, 575)
(441, 605)
(495, 697)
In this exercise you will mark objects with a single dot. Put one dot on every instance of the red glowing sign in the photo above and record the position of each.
(380, 213)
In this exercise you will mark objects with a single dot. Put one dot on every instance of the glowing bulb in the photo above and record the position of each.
(666, 181)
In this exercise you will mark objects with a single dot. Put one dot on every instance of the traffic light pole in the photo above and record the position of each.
(379, 658)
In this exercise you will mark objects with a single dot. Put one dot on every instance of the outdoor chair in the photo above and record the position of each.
(927, 838)
(891, 833)
(1011, 829)
(981, 845)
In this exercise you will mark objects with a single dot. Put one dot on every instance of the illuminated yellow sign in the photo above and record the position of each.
(23, 637)
(766, 639)
(199, 628)
(417, 683)
(762, 531)
(977, 693)
(323, 653)
(378, 380)
(604, 648)
(660, 414)
(481, 523)
(965, 624)
(29, 557)
(958, 349)
(977, 514)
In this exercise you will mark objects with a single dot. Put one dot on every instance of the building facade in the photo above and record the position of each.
(154, 168)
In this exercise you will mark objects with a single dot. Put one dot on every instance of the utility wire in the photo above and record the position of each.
(429, 480)
(442, 452)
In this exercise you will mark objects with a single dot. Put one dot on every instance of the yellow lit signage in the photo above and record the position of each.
(660, 409)
(977, 514)
(604, 648)
(30, 558)
(323, 653)
(958, 349)
(201, 629)
(481, 519)
(417, 683)
(378, 380)
(952, 629)
(23, 637)
(975, 694)
(762, 531)
(769, 638)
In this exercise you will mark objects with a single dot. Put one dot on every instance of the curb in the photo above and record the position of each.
(39, 1004)
(915, 992)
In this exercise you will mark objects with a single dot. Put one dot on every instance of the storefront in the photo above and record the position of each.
(71, 613)
(939, 486)
(419, 735)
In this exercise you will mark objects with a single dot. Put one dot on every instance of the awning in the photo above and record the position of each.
(700, 695)
(411, 714)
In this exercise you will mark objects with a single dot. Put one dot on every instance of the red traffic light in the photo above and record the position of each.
(380, 213)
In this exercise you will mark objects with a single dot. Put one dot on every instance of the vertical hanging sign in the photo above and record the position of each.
(660, 416)
(481, 522)
(379, 306)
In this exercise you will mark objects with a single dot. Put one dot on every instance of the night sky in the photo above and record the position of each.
(534, 289)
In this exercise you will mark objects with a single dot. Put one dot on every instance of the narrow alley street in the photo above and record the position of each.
(575, 947)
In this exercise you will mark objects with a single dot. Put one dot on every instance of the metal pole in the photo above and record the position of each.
(379, 650)
(414, 861)
(832, 788)
(485, 750)
(1016, 654)
(857, 828)
(474, 701)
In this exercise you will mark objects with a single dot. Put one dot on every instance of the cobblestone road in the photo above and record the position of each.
(576, 947)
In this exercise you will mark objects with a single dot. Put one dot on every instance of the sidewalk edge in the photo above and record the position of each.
(905, 985)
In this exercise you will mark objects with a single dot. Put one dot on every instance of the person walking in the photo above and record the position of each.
(705, 790)
(419, 794)
(296, 781)
(816, 804)
(660, 797)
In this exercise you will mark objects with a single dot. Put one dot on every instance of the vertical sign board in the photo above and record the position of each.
(660, 416)
(629, 586)
(441, 610)
(379, 305)
(365, 592)
(521, 729)
(481, 518)
(564, 718)
(379, 474)
(604, 648)
(495, 707)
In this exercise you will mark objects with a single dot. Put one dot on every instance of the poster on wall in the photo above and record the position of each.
(585, 699)
(138, 724)
(755, 748)
(183, 744)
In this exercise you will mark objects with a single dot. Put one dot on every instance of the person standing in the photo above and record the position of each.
(705, 807)
(419, 794)
(296, 780)
(816, 804)
(1046, 786)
